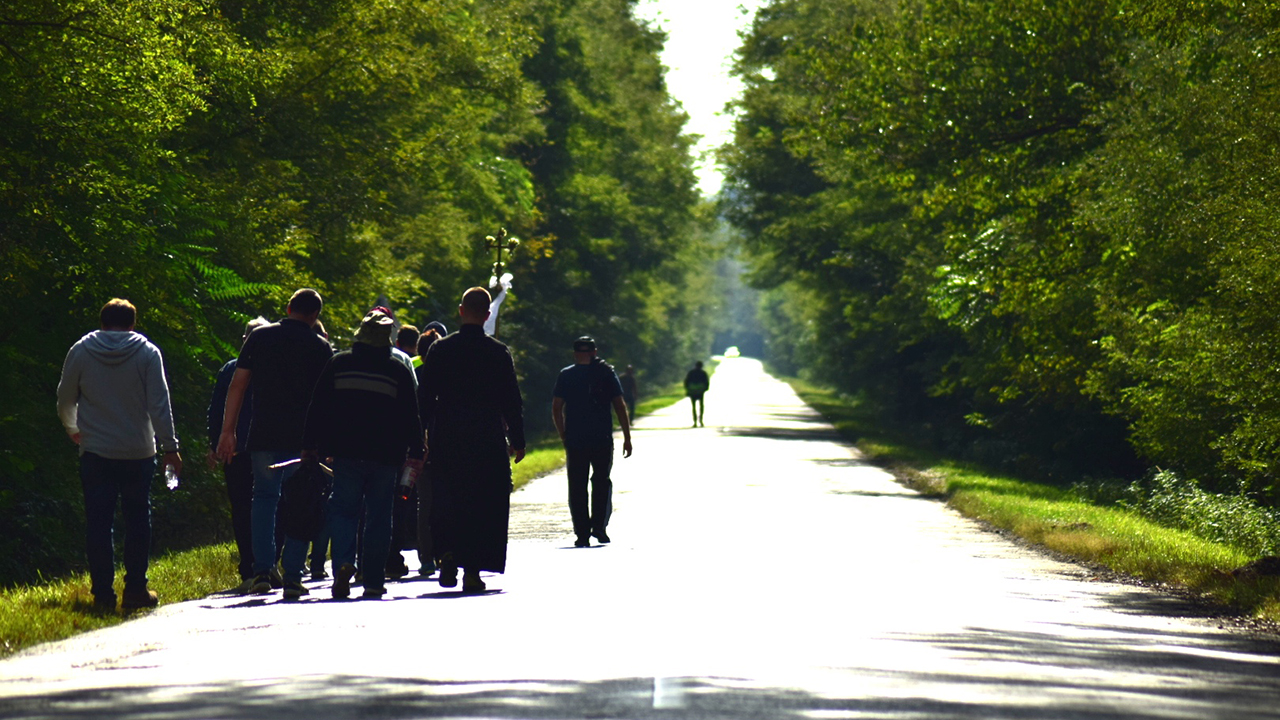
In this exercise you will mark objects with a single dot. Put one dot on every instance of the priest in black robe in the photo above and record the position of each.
(474, 417)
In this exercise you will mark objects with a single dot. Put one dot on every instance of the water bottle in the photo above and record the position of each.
(406, 482)
(170, 477)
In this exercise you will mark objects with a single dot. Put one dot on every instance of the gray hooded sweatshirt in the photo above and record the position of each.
(113, 392)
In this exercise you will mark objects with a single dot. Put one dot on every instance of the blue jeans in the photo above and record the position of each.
(374, 484)
(266, 501)
(104, 482)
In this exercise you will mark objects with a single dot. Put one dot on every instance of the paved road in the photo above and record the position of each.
(758, 569)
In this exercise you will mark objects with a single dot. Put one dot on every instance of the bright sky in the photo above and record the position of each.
(701, 38)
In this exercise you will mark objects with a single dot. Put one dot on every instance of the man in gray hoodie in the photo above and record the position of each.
(113, 401)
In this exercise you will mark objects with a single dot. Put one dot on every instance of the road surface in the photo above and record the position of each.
(758, 569)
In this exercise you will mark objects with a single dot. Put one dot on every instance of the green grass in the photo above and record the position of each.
(58, 609)
(62, 608)
(1056, 518)
(541, 457)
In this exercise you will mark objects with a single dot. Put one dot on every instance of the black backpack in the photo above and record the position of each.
(600, 386)
(303, 497)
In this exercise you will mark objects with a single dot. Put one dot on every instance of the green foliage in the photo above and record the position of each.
(1173, 501)
(1045, 228)
(203, 159)
(619, 250)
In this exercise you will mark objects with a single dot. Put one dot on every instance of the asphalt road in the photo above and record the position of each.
(758, 569)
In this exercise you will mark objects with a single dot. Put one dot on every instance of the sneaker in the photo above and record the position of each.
(396, 570)
(277, 582)
(342, 582)
(294, 589)
(261, 585)
(600, 536)
(374, 593)
(428, 568)
(582, 541)
(471, 583)
(245, 586)
(139, 599)
(318, 573)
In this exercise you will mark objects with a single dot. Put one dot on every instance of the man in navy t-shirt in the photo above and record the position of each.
(585, 393)
(283, 360)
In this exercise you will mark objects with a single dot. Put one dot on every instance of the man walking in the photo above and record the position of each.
(113, 401)
(364, 414)
(696, 383)
(585, 393)
(474, 415)
(238, 473)
(629, 390)
(284, 360)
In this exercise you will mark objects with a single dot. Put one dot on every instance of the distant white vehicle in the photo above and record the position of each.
(732, 352)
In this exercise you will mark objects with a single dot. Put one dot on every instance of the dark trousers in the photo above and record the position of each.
(239, 476)
(320, 546)
(426, 548)
(106, 481)
(592, 463)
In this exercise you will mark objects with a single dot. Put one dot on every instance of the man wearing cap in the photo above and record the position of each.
(364, 414)
(585, 393)
(284, 360)
(474, 416)
(113, 401)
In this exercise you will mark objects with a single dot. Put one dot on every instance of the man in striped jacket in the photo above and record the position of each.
(364, 414)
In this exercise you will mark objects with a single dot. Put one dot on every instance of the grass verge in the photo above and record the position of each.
(55, 610)
(30, 615)
(1055, 518)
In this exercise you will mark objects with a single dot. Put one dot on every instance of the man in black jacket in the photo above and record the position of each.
(474, 416)
(364, 415)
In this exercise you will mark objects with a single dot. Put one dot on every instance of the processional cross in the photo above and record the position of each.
(498, 244)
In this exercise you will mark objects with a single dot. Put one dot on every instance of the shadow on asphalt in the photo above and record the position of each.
(1162, 605)
(895, 495)
(817, 433)
(922, 694)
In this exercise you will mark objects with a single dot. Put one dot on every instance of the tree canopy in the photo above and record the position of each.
(1043, 230)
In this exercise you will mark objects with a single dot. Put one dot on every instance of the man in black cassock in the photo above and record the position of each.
(474, 417)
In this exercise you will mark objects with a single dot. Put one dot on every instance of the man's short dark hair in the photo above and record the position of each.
(118, 314)
(407, 337)
(305, 302)
(586, 343)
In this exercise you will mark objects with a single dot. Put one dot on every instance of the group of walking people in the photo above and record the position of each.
(441, 411)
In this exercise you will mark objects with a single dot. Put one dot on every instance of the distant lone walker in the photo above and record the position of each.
(585, 393)
(629, 390)
(114, 402)
(696, 383)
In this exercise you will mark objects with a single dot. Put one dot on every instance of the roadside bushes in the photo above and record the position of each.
(1166, 497)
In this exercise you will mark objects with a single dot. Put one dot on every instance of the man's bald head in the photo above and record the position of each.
(475, 305)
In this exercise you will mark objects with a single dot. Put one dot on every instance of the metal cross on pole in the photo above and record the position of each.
(498, 244)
